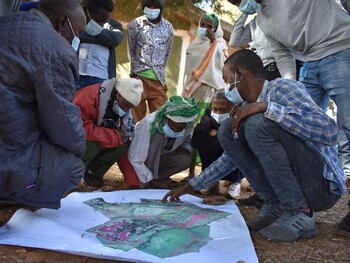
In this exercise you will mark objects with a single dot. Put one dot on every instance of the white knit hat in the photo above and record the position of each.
(130, 89)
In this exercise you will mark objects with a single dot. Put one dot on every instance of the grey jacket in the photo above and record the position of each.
(311, 29)
(41, 132)
(244, 34)
(8, 6)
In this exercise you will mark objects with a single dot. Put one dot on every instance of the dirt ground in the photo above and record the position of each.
(326, 248)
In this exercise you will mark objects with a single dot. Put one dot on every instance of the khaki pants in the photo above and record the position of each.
(155, 94)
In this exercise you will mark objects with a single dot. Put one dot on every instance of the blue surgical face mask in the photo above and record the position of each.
(248, 6)
(233, 94)
(220, 117)
(76, 41)
(170, 133)
(92, 28)
(201, 32)
(118, 110)
(151, 14)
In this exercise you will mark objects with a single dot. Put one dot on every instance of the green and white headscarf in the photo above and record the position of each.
(178, 109)
(212, 17)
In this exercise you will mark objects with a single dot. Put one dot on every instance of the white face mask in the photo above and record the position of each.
(201, 32)
(76, 41)
(151, 14)
(118, 110)
(233, 94)
(220, 117)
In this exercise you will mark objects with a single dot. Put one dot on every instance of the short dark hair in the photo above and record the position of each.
(246, 59)
(95, 5)
(220, 95)
(59, 7)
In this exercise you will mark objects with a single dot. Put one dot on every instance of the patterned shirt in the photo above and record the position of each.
(290, 106)
(149, 45)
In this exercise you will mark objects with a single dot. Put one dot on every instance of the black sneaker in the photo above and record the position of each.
(253, 200)
(343, 228)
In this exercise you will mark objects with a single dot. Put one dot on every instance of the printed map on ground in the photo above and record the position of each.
(134, 226)
(163, 230)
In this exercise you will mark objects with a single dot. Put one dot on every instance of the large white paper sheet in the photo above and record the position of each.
(64, 230)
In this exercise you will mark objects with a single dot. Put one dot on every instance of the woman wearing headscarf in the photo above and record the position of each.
(161, 146)
(205, 58)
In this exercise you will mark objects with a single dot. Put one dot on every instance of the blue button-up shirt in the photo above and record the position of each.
(290, 106)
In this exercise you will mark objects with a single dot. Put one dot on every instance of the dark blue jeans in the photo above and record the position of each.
(278, 164)
(328, 78)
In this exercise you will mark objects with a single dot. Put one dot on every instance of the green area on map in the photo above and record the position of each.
(163, 230)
